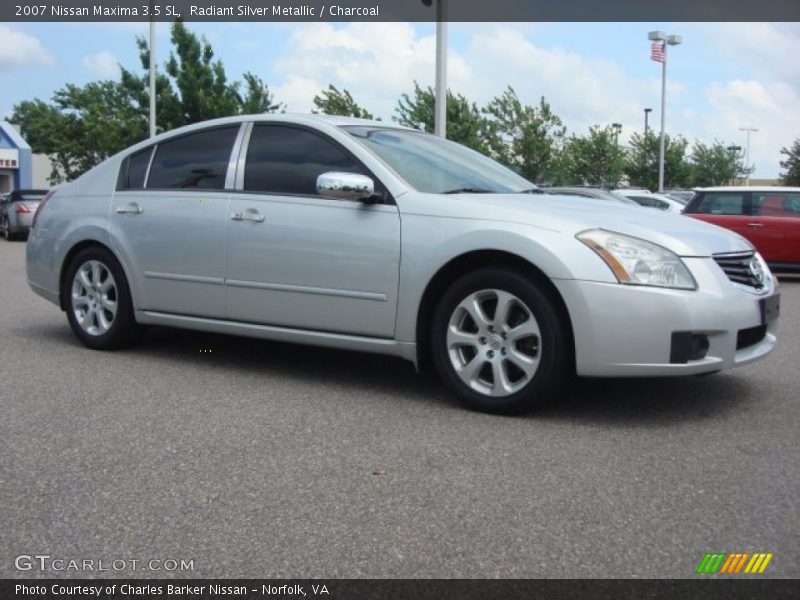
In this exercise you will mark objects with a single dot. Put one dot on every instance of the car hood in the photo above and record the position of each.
(571, 214)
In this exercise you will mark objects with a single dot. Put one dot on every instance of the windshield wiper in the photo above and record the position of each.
(468, 190)
(532, 191)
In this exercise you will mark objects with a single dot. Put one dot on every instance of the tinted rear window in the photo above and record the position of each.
(194, 161)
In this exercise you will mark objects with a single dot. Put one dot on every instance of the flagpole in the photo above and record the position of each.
(663, 121)
(665, 40)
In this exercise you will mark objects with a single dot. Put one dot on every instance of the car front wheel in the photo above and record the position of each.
(99, 307)
(499, 342)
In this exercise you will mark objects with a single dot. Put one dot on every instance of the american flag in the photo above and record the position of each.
(657, 51)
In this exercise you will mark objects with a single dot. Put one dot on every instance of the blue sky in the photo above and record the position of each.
(724, 76)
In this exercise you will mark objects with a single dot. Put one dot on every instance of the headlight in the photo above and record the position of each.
(638, 262)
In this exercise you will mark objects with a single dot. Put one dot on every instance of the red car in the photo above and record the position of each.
(767, 216)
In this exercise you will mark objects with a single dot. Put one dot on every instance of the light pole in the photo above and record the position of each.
(440, 101)
(647, 112)
(665, 40)
(617, 127)
(734, 152)
(749, 130)
(152, 73)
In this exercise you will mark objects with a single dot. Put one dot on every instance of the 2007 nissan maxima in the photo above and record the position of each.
(368, 236)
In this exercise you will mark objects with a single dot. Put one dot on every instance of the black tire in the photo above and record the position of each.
(10, 237)
(552, 346)
(123, 330)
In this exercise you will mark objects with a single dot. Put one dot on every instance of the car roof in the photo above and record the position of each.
(298, 118)
(749, 188)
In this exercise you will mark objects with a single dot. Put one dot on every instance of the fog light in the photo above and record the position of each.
(687, 346)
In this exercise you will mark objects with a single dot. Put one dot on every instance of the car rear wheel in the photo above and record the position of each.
(98, 301)
(499, 342)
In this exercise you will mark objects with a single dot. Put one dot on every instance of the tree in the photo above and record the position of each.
(792, 164)
(596, 159)
(715, 164)
(641, 165)
(465, 123)
(335, 102)
(524, 138)
(83, 125)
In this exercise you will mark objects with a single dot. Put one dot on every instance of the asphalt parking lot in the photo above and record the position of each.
(256, 459)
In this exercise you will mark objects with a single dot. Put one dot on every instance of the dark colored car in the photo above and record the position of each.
(17, 210)
(769, 217)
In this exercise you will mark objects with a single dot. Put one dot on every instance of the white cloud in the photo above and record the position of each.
(18, 49)
(103, 64)
(376, 62)
(770, 49)
(772, 108)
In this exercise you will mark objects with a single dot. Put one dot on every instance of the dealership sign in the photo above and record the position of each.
(9, 158)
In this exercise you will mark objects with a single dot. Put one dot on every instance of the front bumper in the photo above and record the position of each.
(625, 331)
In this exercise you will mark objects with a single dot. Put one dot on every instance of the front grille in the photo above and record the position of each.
(737, 268)
(750, 336)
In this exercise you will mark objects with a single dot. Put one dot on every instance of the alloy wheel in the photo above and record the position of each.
(493, 341)
(94, 297)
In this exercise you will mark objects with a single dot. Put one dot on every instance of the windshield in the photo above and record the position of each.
(436, 166)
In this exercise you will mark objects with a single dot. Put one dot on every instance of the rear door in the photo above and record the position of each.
(776, 219)
(168, 221)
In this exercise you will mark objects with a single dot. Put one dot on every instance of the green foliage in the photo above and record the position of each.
(465, 123)
(335, 102)
(641, 166)
(791, 176)
(83, 125)
(595, 159)
(524, 138)
(715, 164)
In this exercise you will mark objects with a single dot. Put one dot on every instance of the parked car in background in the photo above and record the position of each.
(767, 216)
(586, 192)
(651, 200)
(369, 236)
(17, 210)
(682, 196)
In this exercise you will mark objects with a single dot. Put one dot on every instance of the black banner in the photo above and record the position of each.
(398, 589)
(400, 10)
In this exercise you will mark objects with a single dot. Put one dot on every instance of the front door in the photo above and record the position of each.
(299, 260)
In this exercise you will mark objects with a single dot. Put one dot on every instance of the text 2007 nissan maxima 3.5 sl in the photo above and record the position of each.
(368, 236)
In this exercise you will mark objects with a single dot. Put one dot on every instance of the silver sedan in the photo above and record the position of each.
(368, 236)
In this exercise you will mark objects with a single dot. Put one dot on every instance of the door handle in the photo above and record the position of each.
(130, 209)
(755, 225)
(248, 215)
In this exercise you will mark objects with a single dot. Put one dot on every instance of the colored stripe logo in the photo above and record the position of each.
(731, 563)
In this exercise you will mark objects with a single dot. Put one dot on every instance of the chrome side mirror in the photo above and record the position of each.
(347, 186)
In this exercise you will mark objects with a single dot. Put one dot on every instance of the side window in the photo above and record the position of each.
(137, 169)
(776, 204)
(644, 201)
(194, 161)
(720, 203)
(288, 160)
(660, 204)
